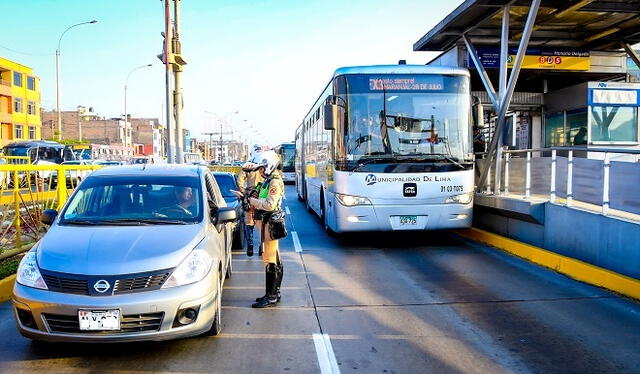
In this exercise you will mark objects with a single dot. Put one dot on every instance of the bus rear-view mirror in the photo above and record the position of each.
(333, 116)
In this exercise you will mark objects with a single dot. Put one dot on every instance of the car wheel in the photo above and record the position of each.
(216, 326)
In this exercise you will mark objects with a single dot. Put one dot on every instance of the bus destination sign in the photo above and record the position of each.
(415, 83)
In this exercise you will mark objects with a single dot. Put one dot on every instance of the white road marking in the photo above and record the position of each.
(326, 357)
(296, 241)
(286, 209)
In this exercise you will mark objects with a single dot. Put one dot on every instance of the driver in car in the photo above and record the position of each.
(184, 199)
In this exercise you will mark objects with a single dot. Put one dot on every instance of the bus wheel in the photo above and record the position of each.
(323, 215)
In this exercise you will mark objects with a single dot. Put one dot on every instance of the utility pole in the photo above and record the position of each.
(220, 141)
(177, 72)
(211, 134)
(167, 61)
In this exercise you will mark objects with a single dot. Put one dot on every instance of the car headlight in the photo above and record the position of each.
(464, 198)
(350, 200)
(192, 269)
(28, 272)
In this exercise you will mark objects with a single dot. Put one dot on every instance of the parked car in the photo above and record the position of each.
(137, 253)
(72, 177)
(107, 162)
(227, 182)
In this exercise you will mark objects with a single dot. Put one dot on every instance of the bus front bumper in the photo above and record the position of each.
(402, 217)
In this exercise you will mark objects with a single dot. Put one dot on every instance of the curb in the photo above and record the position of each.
(571, 267)
(6, 288)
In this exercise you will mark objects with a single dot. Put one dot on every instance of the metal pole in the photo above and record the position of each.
(570, 179)
(605, 185)
(527, 178)
(631, 53)
(507, 156)
(504, 51)
(125, 110)
(79, 126)
(58, 114)
(552, 197)
(220, 154)
(177, 86)
(481, 71)
(506, 98)
(169, 105)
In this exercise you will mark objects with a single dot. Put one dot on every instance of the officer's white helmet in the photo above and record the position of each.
(249, 166)
(269, 160)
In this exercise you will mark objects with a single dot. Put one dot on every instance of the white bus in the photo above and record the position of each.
(389, 148)
(287, 152)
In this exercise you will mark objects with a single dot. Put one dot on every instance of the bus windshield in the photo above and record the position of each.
(407, 117)
(288, 157)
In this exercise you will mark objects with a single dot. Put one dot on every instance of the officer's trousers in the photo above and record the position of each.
(270, 247)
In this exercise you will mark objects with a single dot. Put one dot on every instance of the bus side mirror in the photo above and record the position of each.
(333, 116)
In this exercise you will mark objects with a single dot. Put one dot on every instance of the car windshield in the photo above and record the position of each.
(407, 117)
(130, 200)
(226, 184)
(16, 151)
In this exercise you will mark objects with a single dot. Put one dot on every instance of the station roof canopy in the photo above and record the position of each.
(597, 25)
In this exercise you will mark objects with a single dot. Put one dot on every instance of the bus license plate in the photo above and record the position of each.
(408, 220)
(97, 320)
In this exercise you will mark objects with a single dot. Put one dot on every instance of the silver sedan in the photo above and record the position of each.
(137, 253)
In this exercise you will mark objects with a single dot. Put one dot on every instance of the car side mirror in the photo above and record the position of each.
(226, 214)
(48, 216)
(333, 116)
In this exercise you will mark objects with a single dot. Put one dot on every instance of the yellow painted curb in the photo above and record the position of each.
(571, 267)
(6, 287)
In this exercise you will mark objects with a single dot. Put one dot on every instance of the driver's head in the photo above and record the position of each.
(183, 194)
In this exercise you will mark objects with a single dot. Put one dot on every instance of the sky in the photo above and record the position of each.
(256, 66)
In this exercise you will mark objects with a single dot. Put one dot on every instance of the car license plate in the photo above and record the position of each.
(97, 320)
(408, 220)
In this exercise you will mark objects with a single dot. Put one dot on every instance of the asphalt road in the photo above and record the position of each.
(425, 303)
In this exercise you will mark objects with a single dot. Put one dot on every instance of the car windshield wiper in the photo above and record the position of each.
(143, 221)
(79, 222)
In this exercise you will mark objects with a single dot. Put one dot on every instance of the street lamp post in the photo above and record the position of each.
(59, 115)
(126, 120)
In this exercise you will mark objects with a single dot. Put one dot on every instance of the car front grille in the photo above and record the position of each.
(147, 282)
(129, 323)
(76, 286)
(120, 284)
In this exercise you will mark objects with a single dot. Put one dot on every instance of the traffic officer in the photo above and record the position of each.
(248, 180)
(269, 201)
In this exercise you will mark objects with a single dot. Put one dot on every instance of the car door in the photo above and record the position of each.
(220, 230)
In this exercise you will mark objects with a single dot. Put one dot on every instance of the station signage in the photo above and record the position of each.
(546, 59)
(613, 94)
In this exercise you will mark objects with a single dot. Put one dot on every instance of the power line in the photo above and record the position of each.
(26, 53)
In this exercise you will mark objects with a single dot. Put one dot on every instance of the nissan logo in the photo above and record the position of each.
(101, 286)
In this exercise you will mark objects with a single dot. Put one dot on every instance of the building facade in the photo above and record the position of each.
(19, 103)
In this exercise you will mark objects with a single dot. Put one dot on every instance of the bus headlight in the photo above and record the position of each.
(350, 200)
(464, 198)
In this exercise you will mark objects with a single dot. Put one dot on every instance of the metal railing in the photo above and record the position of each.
(25, 192)
(567, 155)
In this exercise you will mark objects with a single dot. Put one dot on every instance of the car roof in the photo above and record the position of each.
(223, 173)
(151, 170)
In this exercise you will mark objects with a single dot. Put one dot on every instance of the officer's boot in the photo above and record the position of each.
(270, 298)
(248, 233)
(279, 271)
